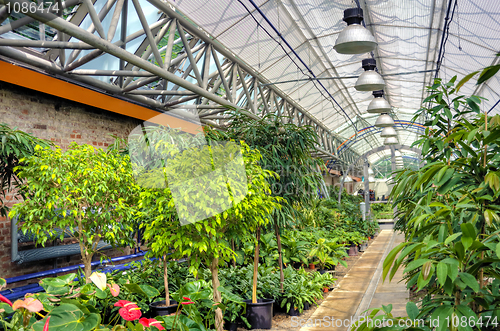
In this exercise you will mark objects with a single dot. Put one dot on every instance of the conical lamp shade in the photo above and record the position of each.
(388, 131)
(379, 105)
(390, 141)
(369, 81)
(383, 121)
(354, 39)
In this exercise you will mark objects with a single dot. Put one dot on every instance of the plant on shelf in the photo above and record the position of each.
(86, 192)
(328, 253)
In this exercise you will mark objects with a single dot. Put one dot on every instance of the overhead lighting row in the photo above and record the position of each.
(356, 39)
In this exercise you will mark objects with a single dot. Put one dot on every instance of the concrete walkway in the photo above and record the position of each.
(362, 288)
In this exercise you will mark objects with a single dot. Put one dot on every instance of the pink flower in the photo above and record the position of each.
(4, 299)
(114, 289)
(31, 304)
(186, 298)
(46, 326)
(149, 322)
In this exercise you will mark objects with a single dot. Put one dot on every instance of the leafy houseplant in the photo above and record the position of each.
(205, 241)
(452, 249)
(14, 145)
(285, 149)
(94, 190)
(328, 253)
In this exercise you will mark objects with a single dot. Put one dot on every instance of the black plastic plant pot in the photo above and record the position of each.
(158, 308)
(230, 326)
(260, 314)
(276, 307)
(293, 312)
(307, 306)
(322, 271)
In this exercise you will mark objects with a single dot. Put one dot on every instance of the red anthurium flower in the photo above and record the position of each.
(46, 326)
(187, 303)
(130, 313)
(186, 298)
(114, 289)
(149, 322)
(124, 303)
(4, 299)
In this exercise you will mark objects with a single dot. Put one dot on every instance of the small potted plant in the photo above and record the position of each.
(327, 253)
(295, 297)
(234, 313)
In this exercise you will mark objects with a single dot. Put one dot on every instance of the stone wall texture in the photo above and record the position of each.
(62, 122)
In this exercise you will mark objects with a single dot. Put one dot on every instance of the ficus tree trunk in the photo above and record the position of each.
(165, 281)
(214, 269)
(86, 256)
(280, 255)
(256, 267)
(87, 263)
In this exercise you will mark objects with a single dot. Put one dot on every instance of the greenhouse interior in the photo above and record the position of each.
(194, 165)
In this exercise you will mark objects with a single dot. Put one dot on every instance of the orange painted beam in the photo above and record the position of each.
(37, 81)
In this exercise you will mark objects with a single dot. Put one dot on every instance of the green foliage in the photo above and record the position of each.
(382, 210)
(328, 253)
(449, 211)
(302, 287)
(86, 192)
(285, 150)
(14, 145)
(205, 240)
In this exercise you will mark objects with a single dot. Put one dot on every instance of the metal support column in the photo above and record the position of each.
(393, 168)
(367, 188)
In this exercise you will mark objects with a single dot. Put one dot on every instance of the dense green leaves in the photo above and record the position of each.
(449, 211)
(14, 145)
(88, 193)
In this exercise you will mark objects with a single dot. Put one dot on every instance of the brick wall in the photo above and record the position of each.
(63, 122)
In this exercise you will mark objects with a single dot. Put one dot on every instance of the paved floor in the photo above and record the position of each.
(362, 288)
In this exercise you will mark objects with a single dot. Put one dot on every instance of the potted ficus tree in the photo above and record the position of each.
(93, 189)
(285, 149)
(212, 190)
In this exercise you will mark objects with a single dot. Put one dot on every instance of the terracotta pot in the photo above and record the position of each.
(312, 266)
(325, 289)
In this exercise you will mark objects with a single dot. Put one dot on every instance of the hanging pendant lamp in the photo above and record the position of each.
(383, 121)
(388, 131)
(391, 141)
(369, 80)
(378, 104)
(354, 39)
